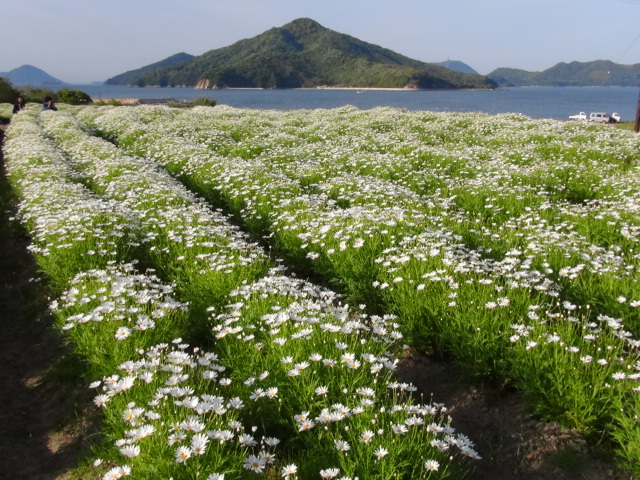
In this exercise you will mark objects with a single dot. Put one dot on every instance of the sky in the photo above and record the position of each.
(82, 41)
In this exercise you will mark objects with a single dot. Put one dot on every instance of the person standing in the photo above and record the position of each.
(48, 104)
(19, 105)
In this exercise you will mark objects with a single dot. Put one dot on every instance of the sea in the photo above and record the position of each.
(536, 102)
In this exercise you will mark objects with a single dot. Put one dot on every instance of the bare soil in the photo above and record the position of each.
(48, 422)
(46, 417)
(512, 443)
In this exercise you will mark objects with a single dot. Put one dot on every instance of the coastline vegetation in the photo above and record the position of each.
(31, 94)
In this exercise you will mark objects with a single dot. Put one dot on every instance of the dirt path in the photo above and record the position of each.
(48, 422)
(42, 420)
(512, 443)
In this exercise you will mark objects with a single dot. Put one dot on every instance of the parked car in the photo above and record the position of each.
(579, 116)
(601, 117)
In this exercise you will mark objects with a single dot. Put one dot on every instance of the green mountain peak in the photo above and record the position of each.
(304, 54)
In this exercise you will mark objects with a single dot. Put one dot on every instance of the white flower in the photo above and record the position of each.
(199, 443)
(117, 472)
(342, 445)
(301, 417)
(254, 463)
(366, 436)
(183, 454)
(553, 338)
(305, 425)
(175, 438)
(130, 451)
(432, 465)
(122, 333)
(101, 400)
(366, 392)
(503, 301)
(246, 439)
(290, 469)
(399, 429)
(380, 452)
(322, 390)
(330, 472)
(271, 441)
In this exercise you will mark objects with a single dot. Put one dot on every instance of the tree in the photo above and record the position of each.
(73, 97)
(8, 94)
(36, 94)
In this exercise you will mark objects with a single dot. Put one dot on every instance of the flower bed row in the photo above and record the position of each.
(511, 246)
(289, 382)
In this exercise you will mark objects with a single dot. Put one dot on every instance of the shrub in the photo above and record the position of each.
(200, 101)
(73, 97)
(8, 94)
(36, 94)
(112, 101)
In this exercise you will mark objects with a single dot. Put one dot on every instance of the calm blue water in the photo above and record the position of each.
(536, 102)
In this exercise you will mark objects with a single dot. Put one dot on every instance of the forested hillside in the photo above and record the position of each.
(131, 76)
(303, 53)
(599, 73)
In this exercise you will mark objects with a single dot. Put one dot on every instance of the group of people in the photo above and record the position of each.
(47, 104)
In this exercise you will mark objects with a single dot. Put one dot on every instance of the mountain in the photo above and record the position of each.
(598, 73)
(303, 53)
(512, 77)
(131, 76)
(458, 66)
(29, 75)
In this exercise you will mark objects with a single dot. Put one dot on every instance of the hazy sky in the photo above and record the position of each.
(80, 41)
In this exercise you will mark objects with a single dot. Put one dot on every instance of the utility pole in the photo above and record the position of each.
(636, 125)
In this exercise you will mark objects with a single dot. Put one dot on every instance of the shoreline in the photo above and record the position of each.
(132, 99)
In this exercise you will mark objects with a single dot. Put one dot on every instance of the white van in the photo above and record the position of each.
(600, 117)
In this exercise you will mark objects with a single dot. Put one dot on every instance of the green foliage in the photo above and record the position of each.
(73, 97)
(575, 74)
(196, 102)
(8, 94)
(131, 76)
(305, 54)
(37, 94)
(112, 102)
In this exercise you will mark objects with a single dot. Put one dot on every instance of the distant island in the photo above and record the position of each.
(30, 75)
(598, 73)
(458, 66)
(300, 54)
